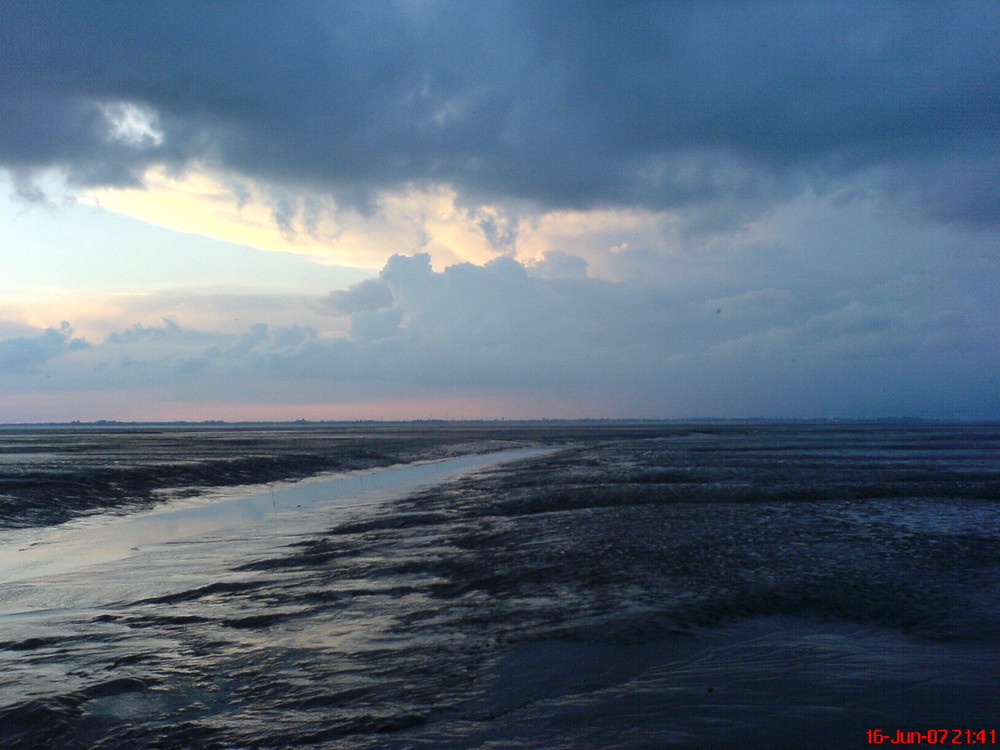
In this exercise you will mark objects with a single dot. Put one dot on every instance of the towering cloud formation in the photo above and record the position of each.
(601, 347)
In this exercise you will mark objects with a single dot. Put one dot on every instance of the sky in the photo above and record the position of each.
(421, 209)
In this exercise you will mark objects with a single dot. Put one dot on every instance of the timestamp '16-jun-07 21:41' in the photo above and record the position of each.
(933, 737)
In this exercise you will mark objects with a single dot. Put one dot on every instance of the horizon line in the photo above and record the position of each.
(485, 420)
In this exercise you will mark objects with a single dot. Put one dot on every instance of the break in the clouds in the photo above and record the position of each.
(721, 105)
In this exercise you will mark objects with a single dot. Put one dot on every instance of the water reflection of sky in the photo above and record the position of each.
(285, 509)
(27, 458)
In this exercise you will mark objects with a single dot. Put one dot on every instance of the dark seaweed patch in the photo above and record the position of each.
(30, 644)
(211, 589)
(254, 621)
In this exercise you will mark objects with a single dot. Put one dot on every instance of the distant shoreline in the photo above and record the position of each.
(513, 422)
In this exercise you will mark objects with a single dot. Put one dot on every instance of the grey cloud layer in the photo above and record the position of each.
(561, 104)
(22, 354)
(634, 350)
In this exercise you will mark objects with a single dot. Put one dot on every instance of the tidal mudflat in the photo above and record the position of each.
(689, 585)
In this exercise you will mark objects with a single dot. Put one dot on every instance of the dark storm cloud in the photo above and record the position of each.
(560, 104)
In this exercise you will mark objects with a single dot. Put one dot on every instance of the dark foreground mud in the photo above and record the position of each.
(676, 586)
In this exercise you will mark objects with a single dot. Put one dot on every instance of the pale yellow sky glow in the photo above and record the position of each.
(155, 405)
(213, 205)
(95, 316)
(201, 202)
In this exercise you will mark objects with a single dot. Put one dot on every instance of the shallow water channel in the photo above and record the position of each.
(235, 524)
